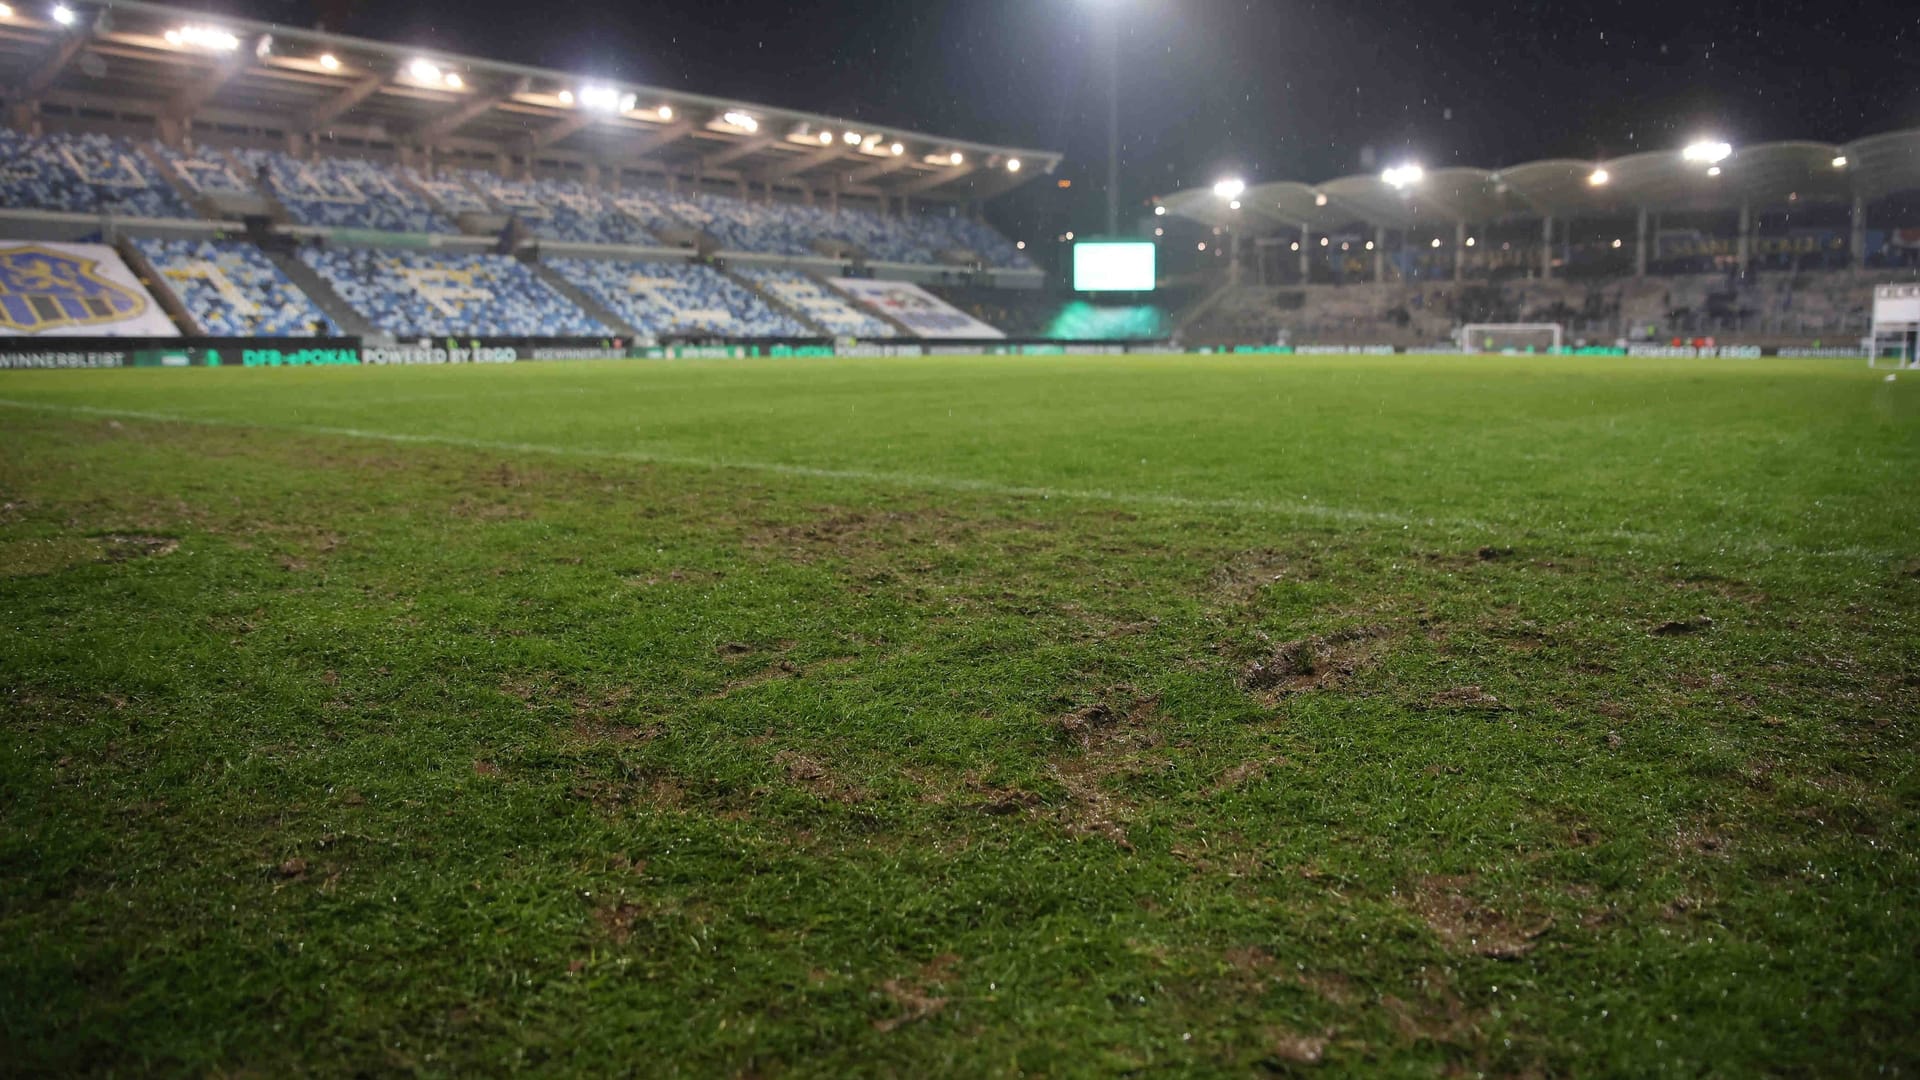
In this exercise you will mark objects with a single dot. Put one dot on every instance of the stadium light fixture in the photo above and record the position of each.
(736, 118)
(1471, 241)
(330, 62)
(1069, 235)
(1840, 162)
(1203, 245)
(1013, 164)
(600, 98)
(1326, 241)
(211, 38)
(1403, 176)
(1159, 211)
(851, 138)
(958, 158)
(1346, 246)
(1234, 205)
(1599, 178)
(424, 71)
(6, 11)
(1319, 199)
(1616, 243)
(1159, 232)
(1019, 245)
(1707, 152)
(897, 149)
(455, 82)
(566, 97)
(1715, 171)
(1436, 242)
(1230, 189)
(666, 112)
(63, 15)
(1296, 245)
(826, 138)
(1369, 245)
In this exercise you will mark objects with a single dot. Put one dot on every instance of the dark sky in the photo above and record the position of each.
(1269, 89)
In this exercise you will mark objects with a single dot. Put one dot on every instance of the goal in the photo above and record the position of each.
(1512, 338)
(1896, 327)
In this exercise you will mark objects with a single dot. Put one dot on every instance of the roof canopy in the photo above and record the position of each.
(1770, 176)
(179, 68)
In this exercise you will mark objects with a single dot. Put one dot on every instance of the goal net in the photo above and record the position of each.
(1512, 338)
(1896, 327)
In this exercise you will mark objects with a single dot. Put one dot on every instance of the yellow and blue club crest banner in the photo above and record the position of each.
(74, 290)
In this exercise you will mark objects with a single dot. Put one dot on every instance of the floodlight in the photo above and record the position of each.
(741, 120)
(424, 71)
(1369, 245)
(1013, 164)
(330, 61)
(264, 47)
(826, 138)
(1616, 243)
(1436, 241)
(1599, 178)
(566, 97)
(601, 98)
(1159, 211)
(851, 138)
(1069, 235)
(1471, 241)
(1020, 245)
(63, 15)
(1715, 171)
(897, 149)
(1230, 189)
(1404, 176)
(958, 158)
(1319, 200)
(1840, 162)
(204, 37)
(1325, 241)
(1296, 245)
(1159, 232)
(6, 11)
(1203, 245)
(454, 81)
(1707, 152)
(1234, 205)
(666, 112)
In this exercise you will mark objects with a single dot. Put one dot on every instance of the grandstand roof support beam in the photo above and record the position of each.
(658, 140)
(468, 111)
(937, 180)
(553, 133)
(878, 169)
(327, 112)
(803, 163)
(58, 61)
(743, 148)
(192, 99)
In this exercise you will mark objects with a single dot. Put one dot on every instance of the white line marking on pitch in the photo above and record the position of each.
(1314, 511)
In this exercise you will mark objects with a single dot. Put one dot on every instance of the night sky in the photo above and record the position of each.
(1267, 89)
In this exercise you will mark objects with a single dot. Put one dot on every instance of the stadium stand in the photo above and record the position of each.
(738, 225)
(83, 174)
(205, 171)
(452, 193)
(345, 193)
(677, 298)
(232, 290)
(817, 303)
(559, 210)
(414, 294)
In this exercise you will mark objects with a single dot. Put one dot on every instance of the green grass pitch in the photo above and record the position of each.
(1143, 716)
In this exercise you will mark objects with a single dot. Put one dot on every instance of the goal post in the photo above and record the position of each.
(1896, 327)
(1513, 338)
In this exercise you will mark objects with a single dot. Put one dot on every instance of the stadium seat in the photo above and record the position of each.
(677, 298)
(84, 174)
(825, 308)
(206, 171)
(232, 290)
(559, 210)
(346, 193)
(453, 194)
(415, 294)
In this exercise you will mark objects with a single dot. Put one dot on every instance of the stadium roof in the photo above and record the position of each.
(1770, 176)
(135, 60)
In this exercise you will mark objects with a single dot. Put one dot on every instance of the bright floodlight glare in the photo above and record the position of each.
(1234, 205)
(1203, 245)
(1230, 189)
(851, 138)
(454, 81)
(566, 97)
(203, 37)
(628, 101)
(1020, 245)
(1324, 241)
(1369, 245)
(958, 158)
(1159, 232)
(1069, 235)
(1296, 245)
(6, 11)
(1319, 200)
(1707, 152)
(1599, 178)
(826, 138)
(424, 71)
(603, 98)
(330, 61)
(1013, 164)
(63, 15)
(666, 112)
(1616, 242)
(1840, 162)
(897, 149)
(1715, 171)
(741, 120)
(1403, 176)
(1471, 241)
(1159, 211)
(1436, 241)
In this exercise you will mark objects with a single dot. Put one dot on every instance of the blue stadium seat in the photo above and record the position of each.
(677, 298)
(560, 210)
(232, 290)
(824, 307)
(206, 171)
(346, 193)
(415, 294)
(83, 174)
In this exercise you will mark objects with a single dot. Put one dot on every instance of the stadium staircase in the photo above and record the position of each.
(158, 286)
(856, 304)
(599, 312)
(768, 298)
(350, 322)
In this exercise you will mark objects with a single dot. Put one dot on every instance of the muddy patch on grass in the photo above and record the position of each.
(1119, 716)
(815, 776)
(116, 548)
(1286, 1048)
(1465, 925)
(918, 996)
(1243, 577)
(1314, 663)
(1467, 699)
(837, 532)
(782, 671)
(1090, 810)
